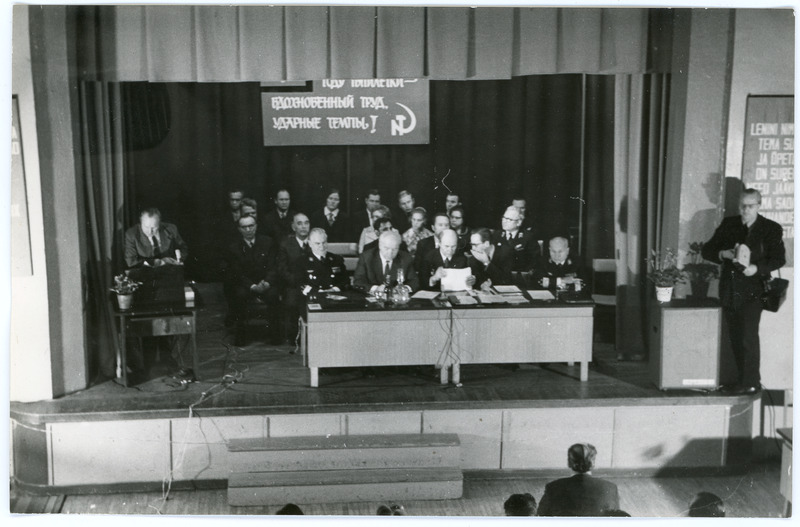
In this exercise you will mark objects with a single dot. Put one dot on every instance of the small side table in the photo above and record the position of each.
(786, 470)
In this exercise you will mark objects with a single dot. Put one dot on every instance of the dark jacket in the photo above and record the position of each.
(572, 267)
(432, 261)
(139, 250)
(274, 226)
(498, 270)
(358, 222)
(580, 495)
(339, 232)
(524, 247)
(289, 254)
(321, 274)
(424, 246)
(765, 240)
(369, 270)
(250, 265)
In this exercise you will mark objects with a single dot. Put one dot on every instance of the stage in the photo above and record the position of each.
(508, 417)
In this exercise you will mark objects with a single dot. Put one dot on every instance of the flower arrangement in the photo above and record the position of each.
(123, 285)
(699, 270)
(663, 271)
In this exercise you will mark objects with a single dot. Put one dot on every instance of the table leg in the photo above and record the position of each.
(123, 349)
(195, 357)
(456, 374)
(584, 371)
(314, 377)
(443, 374)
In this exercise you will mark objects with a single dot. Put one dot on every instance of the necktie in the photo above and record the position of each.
(387, 269)
(305, 245)
(156, 247)
(330, 218)
(446, 262)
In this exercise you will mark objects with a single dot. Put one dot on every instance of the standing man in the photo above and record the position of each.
(278, 222)
(253, 276)
(152, 243)
(332, 219)
(406, 202)
(321, 271)
(375, 264)
(522, 205)
(749, 247)
(490, 263)
(235, 197)
(521, 243)
(293, 249)
(362, 220)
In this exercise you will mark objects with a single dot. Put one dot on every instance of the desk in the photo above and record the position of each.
(355, 332)
(155, 320)
(786, 470)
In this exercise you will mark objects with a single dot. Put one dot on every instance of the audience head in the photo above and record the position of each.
(391, 510)
(581, 456)
(380, 211)
(418, 218)
(559, 249)
(451, 200)
(520, 505)
(389, 245)
(247, 227)
(333, 199)
(318, 242)
(249, 207)
(235, 196)
(282, 200)
(707, 505)
(290, 509)
(441, 221)
(406, 201)
(520, 204)
(150, 221)
(749, 203)
(479, 240)
(512, 219)
(448, 242)
(301, 225)
(383, 225)
(456, 217)
(373, 199)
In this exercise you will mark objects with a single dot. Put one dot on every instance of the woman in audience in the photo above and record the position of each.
(581, 494)
(418, 231)
(369, 234)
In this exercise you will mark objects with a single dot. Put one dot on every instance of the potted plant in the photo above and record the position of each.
(124, 287)
(663, 271)
(700, 271)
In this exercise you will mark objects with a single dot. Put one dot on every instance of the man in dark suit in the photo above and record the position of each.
(581, 494)
(334, 220)
(491, 264)
(363, 219)
(522, 205)
(441, 222)
(458, 222)
(277, 223)
(293, 249)
(436, 263)
(320, 271)
(375, 264)
(253, 275)
(749, 247)
(559, 263)
(402, 216)
(152, 243)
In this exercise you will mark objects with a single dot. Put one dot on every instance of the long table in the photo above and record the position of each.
(355, 332)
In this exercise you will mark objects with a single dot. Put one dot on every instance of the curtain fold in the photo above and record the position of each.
(104, 185)
(267, 43)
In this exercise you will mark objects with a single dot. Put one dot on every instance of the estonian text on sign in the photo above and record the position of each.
(768, 162)
(349, 112)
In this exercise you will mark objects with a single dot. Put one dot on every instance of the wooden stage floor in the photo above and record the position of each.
(271, 379)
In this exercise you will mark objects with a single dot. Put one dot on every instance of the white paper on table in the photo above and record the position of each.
(463, 300)
(456, 279)
(515, 299)
(541, 295)
(506, 289)
(425, 295)
(488, 298)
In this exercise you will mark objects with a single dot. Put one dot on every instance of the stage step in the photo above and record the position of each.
(329, 486)
(344, 452)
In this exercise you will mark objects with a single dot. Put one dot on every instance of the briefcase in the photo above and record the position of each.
(774, 294)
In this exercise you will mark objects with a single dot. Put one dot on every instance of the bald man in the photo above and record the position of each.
(559, 263)
(436, 263)
(374, 264)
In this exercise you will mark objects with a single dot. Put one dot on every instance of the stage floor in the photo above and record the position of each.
(272, 379)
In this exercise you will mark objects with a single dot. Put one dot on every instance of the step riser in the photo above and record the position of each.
(405, 491)
(344, 459)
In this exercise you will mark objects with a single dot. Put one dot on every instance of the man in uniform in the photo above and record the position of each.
(321, 271)
(522, 244)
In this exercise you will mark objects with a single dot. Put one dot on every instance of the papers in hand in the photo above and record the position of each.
(456, 279)
(541, 295)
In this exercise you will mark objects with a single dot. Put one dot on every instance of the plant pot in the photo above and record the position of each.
(124, 301)
(664, 294)
(700, 288)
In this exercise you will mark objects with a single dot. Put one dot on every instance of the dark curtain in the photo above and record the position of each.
(490, 140)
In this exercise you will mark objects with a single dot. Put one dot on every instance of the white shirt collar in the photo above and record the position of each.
(329, 212)
(383, 262)
(300, 242)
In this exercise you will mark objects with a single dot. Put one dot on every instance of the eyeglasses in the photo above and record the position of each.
(510, 219)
